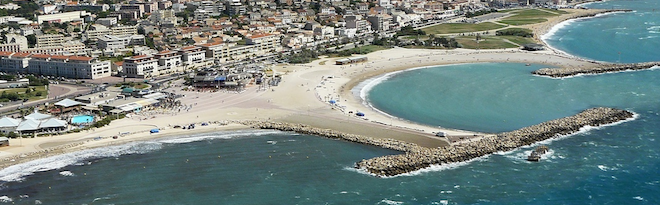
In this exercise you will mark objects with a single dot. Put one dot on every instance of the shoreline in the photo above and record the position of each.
(545, 28)
(276, 106)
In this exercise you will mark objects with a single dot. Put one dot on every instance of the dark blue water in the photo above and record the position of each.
(618, 164)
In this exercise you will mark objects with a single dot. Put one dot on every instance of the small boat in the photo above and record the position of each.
(528, 64)
(271, 142)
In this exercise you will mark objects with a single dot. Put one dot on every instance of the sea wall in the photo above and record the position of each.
(305, 129)
(416, 157)
(609, 68)
(422, 158)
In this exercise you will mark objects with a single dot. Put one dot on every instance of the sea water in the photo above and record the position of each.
(609, 165)
(628, 37)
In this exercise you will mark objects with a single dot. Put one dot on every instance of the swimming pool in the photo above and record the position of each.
(82, 119)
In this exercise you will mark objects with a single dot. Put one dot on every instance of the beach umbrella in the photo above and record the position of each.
(154, 131)
(359, 114)
(332, 101)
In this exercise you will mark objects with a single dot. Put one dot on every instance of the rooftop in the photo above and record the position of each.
(6, 54)
(59, 57)
(80, 58)
(22, 55)
(44, 56)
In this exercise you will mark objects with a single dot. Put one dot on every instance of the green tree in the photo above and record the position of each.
(32, 40)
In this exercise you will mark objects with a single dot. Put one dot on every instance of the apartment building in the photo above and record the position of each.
(14, 39)
(78, 67)
(50, 40)
(142, 66)
(192, 55)
(168, 61)
(109, 21)
(13, 62)
(264, 43)
(63, 17)
(98, 30)
(67, 48)
(119, 42)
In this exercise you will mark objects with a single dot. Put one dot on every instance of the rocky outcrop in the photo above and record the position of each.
(609, 68)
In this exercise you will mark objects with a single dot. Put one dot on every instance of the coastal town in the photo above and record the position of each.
(109, 72)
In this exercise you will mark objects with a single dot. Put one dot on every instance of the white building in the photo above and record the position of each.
(50, 40)
(192, 55)
(10, 6)
(142, 66)
(109, 21)
(119, 42)
(63, 17)
(77, 67)
(97, 30)
(13, 62)
(168, 62)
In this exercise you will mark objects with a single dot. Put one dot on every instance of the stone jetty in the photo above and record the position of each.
(412, 161)
(305, 129)
(416, 157)
(605, 68)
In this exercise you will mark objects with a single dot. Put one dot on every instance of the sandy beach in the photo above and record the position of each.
(302, 97)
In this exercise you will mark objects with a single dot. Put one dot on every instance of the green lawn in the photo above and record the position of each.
(518, 39)
(490, 42)
(528, 16)
(556, 11)
(32, 95)
(461, 28)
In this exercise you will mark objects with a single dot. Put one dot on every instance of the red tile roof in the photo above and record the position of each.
(80, 58)
(139, 57)
(188, 47)
(59, 57)
(166, 52)
(120, 63)
(44, 56)
(21, 55)
(6, 54)
(260, 35)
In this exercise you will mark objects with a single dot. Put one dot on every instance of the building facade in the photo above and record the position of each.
(142, 66)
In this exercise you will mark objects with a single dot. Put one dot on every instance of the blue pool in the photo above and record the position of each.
(82, 119)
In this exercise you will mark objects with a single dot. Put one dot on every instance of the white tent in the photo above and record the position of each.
(38, 116)
(67, 103)
(9, 122)
(28, 125)
(52, 123)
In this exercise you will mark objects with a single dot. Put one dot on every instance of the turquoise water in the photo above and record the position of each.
(621, 37)
(610, 165)
(82, 119)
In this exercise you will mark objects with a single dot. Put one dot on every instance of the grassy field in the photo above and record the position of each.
(461, 28)
(519, 40)
(528, 16)
(556, 11)
(489, 42)
(21, 91)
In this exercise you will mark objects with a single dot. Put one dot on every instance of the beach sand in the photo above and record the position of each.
(301, 97)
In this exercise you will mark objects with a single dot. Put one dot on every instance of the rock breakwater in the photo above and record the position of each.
(416, 157)
(305, 129)
(411, 161)
(607, 68)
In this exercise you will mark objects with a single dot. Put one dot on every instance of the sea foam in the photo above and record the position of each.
(19, 171)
